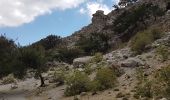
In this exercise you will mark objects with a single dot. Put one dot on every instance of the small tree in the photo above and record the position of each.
(50, 42)
(33, 57)
(7, 54)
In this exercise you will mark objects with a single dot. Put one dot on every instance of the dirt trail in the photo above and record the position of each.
(27, 91)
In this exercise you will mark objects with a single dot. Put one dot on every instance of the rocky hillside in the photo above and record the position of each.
(105, 23)
(124, 55)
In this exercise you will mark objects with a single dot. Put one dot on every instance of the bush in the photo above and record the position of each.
(140, 75)
(95, 86)
(8, 51)
(164, 74)
(158, 86)
(142, 39)
(94, 42)
(50, 42)
(117, 70)
(164, 52)
(161, 86)
(133, 20)
(9, 79)
(19, 69)
(144, 90)
(144, 86)
(98, 57)
(32, 57)
(67, 55)
(88, 69)
(59, 77)
(105, 79)
(77, 83)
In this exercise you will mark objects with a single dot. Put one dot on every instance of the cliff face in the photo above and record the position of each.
(99, 22)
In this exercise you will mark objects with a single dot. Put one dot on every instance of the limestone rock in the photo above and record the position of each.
(131, 63)
(83, 94)
(118, 55)
(79, 62)
(163, 99)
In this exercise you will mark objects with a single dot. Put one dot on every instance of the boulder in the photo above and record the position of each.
(168, 12)
(83, 94)
(14, 86)
(80, 62)
(132, 62)
(163, 99)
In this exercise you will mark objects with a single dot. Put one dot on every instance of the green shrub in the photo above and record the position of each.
(144, 89)
(133, 20)
(87, 69)
(117, 70)
(66, 54)
(95, 86)
(59, 77)
(158, 86)
(77, 83)
(161, 83)
(94, 42)
(50, 42)
(8, 52)
(164, 74)
(98, 57)
(19, 70)
(140, 75)
(105, 79)
(142, 39)
(164, 52)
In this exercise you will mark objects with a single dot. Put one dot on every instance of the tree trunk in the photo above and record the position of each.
(42, 81)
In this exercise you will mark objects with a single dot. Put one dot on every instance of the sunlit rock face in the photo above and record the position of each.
(99, 19)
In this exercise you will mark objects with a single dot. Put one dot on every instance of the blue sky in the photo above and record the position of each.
(26, 25)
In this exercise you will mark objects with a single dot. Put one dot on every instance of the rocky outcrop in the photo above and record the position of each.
(123, 58)
(118, 55)
(99, 20)
(132, 63)
(165, 40)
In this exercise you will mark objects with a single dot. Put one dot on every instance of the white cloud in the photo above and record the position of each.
(92, 7)
(17, 12)
(82, 11)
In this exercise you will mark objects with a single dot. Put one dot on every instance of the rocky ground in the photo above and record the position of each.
(123, 58)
